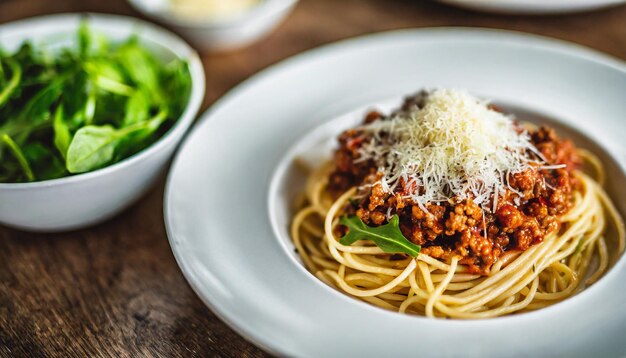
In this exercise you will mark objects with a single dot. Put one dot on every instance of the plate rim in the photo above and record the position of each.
(533, 7)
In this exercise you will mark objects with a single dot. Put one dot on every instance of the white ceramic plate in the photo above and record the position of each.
(534, 7)
(216, 200)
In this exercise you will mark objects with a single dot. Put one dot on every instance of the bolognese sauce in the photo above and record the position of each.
(514, 218)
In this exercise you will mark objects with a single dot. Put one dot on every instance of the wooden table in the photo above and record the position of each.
(115, 289)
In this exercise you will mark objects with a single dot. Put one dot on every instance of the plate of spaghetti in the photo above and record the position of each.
(436, 192)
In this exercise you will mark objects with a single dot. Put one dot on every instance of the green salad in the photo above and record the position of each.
(74, 110)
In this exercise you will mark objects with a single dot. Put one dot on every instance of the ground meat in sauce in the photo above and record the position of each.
(458, 228)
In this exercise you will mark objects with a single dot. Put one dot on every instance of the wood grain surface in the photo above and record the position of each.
(115, 289)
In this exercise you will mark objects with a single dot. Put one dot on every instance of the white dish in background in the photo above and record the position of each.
(221, 35)
(85, 199)
(534, 7)
(216, 199)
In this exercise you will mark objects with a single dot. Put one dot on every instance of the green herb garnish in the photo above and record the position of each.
(387, 237)
(74, 110)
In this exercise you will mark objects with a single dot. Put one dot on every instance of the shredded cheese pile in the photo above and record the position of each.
(453, 147)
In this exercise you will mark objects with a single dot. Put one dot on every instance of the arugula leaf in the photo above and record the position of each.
(108, 76)
(17, 152)
(137, 108)
(141, 66)
(38, 107)
(146, 128)
(76, 91)
(43, 161)
(109, 109)
(84, 38)
(3, 79)
(92, 147)
(177, 80)
(16, 77)
(90, 107)
(62, 136)
(140, 136)
(387, 237)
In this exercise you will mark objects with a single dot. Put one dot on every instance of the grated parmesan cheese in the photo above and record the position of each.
(454, 147)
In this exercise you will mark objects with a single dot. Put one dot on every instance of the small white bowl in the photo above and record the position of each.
(220, 35)
(85, 199)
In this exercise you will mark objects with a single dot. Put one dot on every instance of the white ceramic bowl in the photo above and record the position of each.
(81, 200)
(223, 35)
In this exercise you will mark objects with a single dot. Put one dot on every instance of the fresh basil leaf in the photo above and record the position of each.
(387, 237)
